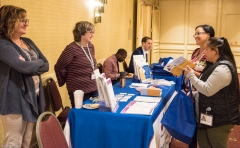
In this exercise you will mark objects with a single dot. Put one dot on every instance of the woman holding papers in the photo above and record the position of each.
(202, 33)
(217, 94)
(77, 62)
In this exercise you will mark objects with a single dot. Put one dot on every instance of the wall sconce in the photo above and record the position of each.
(97, 16)
(99, 8)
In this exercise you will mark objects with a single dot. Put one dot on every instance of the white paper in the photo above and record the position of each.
(109, 93)
(136, 110)
(135, 59)
(134, 85)
(143, 104)
(125, 98)
(147, 99)
(99, 85)
(100, 82)
(135, 107)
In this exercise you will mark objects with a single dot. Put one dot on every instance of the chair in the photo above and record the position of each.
(49, 132)
(99, 65)
(56, 101)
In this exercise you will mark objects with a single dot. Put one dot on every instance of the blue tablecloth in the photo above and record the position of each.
(97, 129)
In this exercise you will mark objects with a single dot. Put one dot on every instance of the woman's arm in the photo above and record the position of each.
(10, 56)
(45, 67)
(61, 66)
(220, 78)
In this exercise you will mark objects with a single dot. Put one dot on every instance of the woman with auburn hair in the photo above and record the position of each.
(21, 92)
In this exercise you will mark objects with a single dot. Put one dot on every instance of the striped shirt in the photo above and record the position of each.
(74, 68)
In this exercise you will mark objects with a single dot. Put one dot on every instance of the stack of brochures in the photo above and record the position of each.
(105, 91)
(142, 105)
(141, 68)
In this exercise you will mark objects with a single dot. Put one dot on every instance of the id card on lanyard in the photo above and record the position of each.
(89, 58)
(206, 118)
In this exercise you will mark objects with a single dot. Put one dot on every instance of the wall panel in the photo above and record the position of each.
(172, 14)
(199, 14)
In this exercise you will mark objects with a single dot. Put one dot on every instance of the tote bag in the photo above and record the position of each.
(179, 119)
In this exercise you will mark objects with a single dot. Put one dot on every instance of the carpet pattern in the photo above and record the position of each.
(233, 140)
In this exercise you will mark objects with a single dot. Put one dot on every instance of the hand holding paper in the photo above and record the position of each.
(187, 70)
(176, 66)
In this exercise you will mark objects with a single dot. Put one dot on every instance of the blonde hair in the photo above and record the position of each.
(9, 16)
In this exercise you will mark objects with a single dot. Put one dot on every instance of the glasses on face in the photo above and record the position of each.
(198, 33)
(26, 21)
(91, 32)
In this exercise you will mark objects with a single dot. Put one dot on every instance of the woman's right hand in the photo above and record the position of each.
(187, 70)
(21, 58)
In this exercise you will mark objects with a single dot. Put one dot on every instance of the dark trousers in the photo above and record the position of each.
(85, 97)
(193, 144)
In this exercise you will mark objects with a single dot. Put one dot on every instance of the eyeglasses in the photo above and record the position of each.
(26, 21)
(91, 32)
(198, 33)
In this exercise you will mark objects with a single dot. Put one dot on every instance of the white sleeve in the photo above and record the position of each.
(220, 78)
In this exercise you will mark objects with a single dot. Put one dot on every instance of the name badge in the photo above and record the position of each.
(93, 77)
(206, 119)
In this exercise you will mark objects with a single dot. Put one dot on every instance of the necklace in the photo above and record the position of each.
(21, 43)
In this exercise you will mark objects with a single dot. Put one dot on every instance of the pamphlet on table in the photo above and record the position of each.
(141, 68)
(136, 107)
(147, 99)
(105, 90)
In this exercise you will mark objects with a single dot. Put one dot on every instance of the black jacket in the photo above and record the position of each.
(138, 51)
(224, 104)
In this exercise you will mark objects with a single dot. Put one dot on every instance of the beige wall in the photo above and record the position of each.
(52, 21)
(178, 19)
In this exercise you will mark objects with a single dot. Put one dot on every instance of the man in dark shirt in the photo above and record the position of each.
(142, 50)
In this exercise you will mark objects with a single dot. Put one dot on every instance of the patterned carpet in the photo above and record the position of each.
(233, 140)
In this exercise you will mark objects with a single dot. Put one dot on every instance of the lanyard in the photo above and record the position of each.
(198, 56)
(89, 57)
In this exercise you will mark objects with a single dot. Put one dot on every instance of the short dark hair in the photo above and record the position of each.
(121, 51)
(144, 39)
(208, 29)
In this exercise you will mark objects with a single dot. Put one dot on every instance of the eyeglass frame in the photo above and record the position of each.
(90, 31)
(25, 21)
(198, 33)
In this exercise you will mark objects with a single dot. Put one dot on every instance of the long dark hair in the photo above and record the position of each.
(223, 48)
(225, 53)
